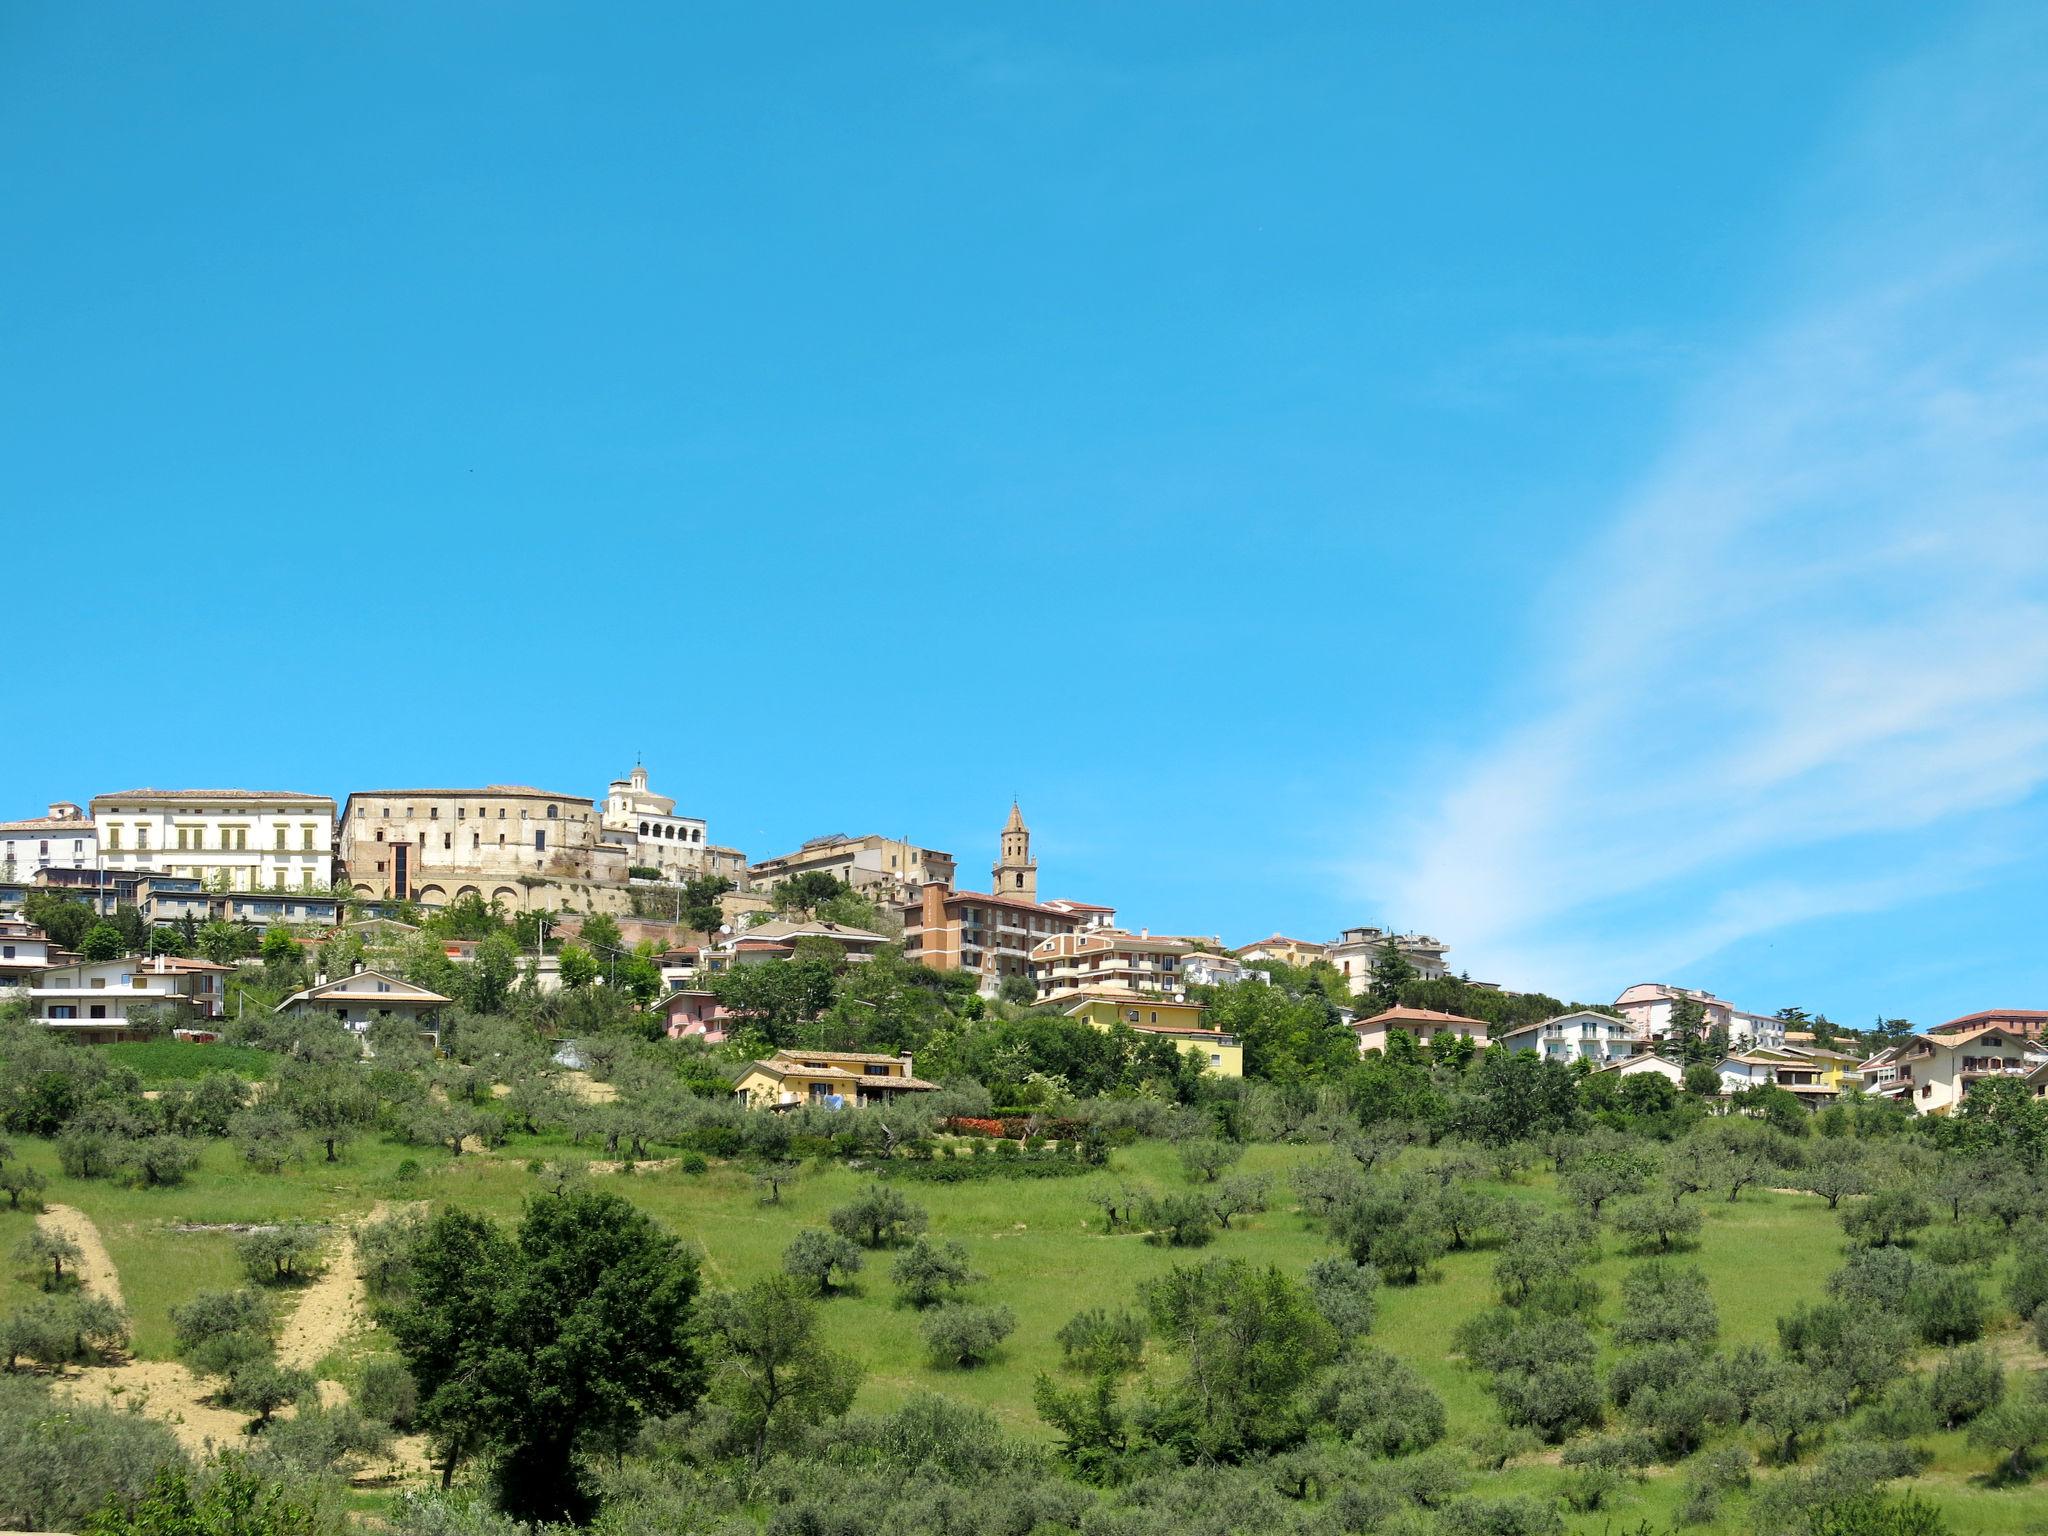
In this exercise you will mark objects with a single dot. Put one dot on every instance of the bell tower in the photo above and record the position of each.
(1014, 873)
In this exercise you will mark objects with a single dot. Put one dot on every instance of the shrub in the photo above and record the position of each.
(1948, 1307)
(693, 1162)
(814, 1256)
(283, 1254)
(1963, 1385)
(1666, 1303)
(62, 1330)
(965, 1334)
(1203, 1161)
(1380, 1405)
(388, 1392)
(879, 1217)
(2027, 1287)
(1102, 1342)
(48, 1253)
(1887, 1218)
(1180, 1220)
(928, 1273)
(1345, 1293)
(1652, 1222)
(17, 1180)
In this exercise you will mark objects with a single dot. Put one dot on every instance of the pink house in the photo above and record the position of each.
(694, 1016)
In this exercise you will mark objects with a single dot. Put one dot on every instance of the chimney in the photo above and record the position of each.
(904, 1057)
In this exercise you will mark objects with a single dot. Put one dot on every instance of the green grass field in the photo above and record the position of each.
(171, 1061)
(1041, 1246)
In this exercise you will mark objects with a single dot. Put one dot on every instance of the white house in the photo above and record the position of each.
(1581, 1036)
(237, 839)
(360, 1000)
(1204, 969)
(62, 839)
(1357, 948)
(95, 998)
(1645, 1062)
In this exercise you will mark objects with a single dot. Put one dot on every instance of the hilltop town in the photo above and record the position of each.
(154, 909)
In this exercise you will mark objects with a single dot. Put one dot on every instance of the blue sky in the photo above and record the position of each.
(1566, 478)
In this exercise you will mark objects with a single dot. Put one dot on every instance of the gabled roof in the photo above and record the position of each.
(1274, 939)
(1396, 1017)
(1990, 1015)
(354, 989)
(296, 797)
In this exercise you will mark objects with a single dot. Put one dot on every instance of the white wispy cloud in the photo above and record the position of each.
(1816, 637)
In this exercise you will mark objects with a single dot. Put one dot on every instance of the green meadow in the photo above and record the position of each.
(1042, 1247)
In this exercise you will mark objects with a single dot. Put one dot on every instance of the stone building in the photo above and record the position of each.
(883, 869)
(525, 848)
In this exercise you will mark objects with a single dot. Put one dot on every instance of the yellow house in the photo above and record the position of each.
(1177, 1021)
(829, 1079)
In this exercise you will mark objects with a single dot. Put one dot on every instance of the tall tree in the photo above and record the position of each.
(548, 1345)
(1390, 973)
(771, 1368)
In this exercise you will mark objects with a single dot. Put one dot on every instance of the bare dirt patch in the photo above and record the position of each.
(650, 1165)
(588, 1088)
(166, 1391)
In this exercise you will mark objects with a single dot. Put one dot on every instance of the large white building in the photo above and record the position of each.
(646, 825)
(232, 839)
(61, 839)
(1648, 1006)
(94, 998)
(1357, 948)
(1580, 1036)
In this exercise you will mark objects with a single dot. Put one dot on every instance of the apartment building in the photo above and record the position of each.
(2027, 1023)
(93, 999)
(1207, 968)
(1648, 1005)
(364, 998)
(1109, 960)
(25, 952)
(993, 932)
(827, 1079)
(62, 837)
(1578, 1036)
(1183, 1023)
(231, 839)
(1357, 948)
(1933, 1072)
(525, 848)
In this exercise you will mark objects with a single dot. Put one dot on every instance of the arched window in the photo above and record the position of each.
(643, 829)
(551, 813)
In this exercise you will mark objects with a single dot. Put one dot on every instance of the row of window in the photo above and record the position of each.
(690, 834)
(483, 813)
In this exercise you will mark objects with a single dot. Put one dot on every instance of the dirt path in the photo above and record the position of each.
(329, 1309)
(96, 1270)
